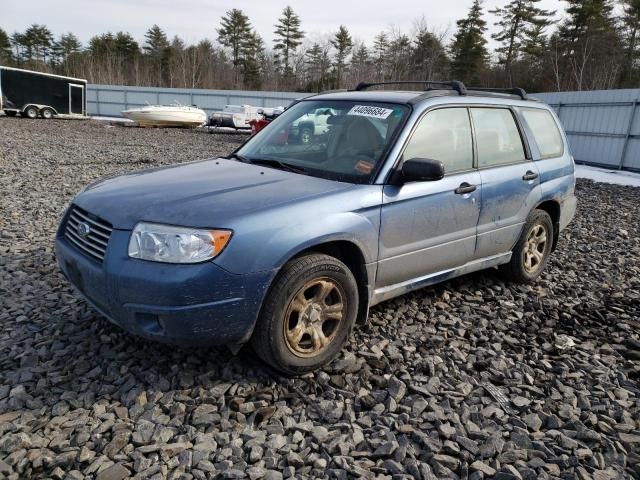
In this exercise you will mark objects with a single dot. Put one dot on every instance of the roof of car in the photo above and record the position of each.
(390, 96)
(413, 97)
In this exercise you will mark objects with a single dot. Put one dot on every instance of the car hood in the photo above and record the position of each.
(206, 194)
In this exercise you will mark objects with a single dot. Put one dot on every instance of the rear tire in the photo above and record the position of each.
(31, 112)
(531, 254)
(308, 314)
(47, 113)
(10, 113)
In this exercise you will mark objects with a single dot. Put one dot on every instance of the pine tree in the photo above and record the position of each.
(360, 63)
(317, 63)
(343, 43)
(157, 49)
(5, 48)
(399, 53)
(631, 28)
(469, 51)
(233, 33)
(126, 46)
(288, 38)
(429, 56)
(380, 55)
(156, 42)
(34, 45)
(591, 44)
(518, 21)
(65, 47)
(253, 58)
(587, 16)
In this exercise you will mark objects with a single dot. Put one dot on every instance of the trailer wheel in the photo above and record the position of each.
(47, 113)
(31, 112)
(10, 113)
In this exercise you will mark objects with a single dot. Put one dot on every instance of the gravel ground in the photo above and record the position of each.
(474, 378)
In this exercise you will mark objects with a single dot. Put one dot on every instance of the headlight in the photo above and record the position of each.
(164, 243)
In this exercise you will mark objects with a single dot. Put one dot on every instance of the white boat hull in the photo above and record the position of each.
(159, 116)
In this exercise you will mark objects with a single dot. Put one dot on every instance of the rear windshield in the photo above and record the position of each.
(334, 139)
(545, 131)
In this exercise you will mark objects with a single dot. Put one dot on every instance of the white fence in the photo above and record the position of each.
(109, 100)
(603, 126)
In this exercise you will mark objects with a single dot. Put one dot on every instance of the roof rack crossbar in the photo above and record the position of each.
(520, 92)
(429, 84)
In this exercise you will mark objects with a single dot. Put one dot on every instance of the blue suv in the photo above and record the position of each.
(288, 241)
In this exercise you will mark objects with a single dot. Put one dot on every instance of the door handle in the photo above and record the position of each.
(529, 176)
(465, 188)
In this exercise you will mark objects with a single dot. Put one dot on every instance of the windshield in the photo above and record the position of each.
(337, 140)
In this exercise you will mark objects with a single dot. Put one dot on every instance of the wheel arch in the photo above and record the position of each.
(552, 207)
(352, 256)
(349, 253)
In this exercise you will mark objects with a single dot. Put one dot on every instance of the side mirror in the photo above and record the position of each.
(422, 170)
(260, 111)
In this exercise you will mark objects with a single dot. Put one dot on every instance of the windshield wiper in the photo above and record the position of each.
(237, 156)
(270, 162)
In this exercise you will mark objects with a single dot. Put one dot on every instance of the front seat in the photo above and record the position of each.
(356, 136)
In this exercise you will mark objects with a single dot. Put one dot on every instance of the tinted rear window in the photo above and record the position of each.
(497, 136)
(545, 131)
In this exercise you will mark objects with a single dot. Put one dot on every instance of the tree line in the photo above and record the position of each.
(594, 44)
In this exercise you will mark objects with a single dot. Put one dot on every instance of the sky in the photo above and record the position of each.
(194, 20)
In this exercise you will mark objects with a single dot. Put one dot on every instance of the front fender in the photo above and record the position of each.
(267, 240)
(361, 230)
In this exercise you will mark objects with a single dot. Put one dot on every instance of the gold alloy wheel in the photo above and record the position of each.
(313, 317)
(535, 248)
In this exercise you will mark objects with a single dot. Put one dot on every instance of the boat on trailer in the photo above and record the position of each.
(166, 116)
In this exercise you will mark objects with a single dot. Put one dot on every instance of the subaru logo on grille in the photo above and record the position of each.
(83, 229)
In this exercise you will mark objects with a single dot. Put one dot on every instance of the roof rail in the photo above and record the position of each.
(511, 91)
(429, 84)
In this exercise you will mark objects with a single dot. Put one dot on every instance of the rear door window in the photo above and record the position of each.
(545, 131)
(497, 136)
(443, 134)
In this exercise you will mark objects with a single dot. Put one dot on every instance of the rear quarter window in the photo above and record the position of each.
(545, 131)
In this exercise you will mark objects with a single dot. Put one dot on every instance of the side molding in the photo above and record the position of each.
(391, 291)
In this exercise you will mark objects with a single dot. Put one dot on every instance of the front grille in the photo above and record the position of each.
(94, 243)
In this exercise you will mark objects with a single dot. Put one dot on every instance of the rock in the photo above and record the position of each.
(533, 421)
(294, 460)
(115, 472)
(629, 438)
(320, 434)
(397, 388)
(272, 475)
(483, 467)
(117, 444)
(447, 430)
(277, 442)
(520, 402)
(204, 414)
(173, 449)
(385, 449)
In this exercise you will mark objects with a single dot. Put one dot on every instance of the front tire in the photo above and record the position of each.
(308, 314)
(531, 254)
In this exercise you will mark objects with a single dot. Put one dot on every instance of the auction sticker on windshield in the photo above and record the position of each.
(369, 111)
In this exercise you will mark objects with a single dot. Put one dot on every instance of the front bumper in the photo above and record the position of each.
(199, 304)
